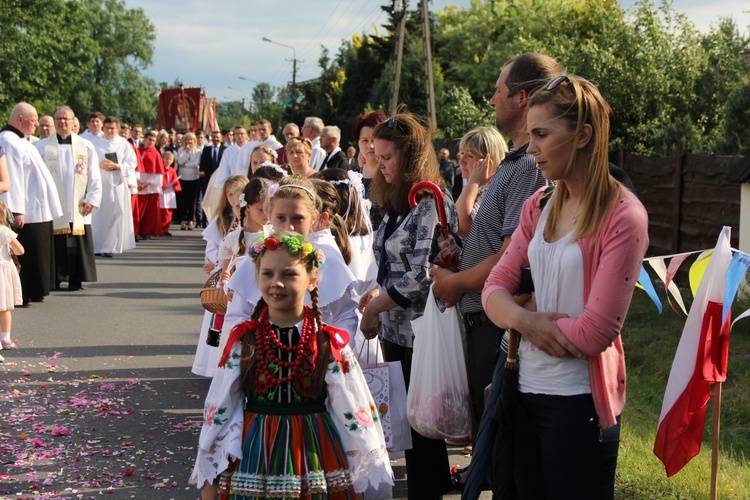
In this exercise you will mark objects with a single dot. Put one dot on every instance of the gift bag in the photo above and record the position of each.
(438, 404)
(386, 383)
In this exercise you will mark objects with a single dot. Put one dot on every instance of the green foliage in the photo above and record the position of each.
(735, 138)
(113, 84)
(457, 112)
(44, 52)
(84, 53)
(665, 81)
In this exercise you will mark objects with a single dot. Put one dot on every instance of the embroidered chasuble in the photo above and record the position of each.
(68, 166)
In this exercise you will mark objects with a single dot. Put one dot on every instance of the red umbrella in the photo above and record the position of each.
(448, 249)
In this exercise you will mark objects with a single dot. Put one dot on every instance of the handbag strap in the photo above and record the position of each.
(377, 350)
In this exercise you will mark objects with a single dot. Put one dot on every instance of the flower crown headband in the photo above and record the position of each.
(295, 245)
(275, 167)
(267, 150)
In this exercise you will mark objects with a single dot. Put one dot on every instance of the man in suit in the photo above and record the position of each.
(210, 159)
(329, 141)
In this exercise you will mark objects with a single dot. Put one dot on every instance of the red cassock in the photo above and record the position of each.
(148, 198)
(134, 196)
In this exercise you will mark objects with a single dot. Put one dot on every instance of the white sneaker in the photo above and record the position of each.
(2, 359)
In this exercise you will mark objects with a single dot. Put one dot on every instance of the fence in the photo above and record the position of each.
(688, 198)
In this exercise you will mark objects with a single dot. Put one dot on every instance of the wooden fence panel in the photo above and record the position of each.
(707, 201)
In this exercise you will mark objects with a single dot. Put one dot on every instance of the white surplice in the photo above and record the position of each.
(112, 222)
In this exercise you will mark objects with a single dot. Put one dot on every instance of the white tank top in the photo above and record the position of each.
(557, 270)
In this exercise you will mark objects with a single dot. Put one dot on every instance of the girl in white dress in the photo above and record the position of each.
(10, 283)
(222, 224)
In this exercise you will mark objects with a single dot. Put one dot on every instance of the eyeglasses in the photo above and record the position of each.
(396, 124)
(556, 83)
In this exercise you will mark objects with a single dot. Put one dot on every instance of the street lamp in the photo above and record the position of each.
(294, 68)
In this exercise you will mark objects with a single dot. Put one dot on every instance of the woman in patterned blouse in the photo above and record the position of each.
(402, 247)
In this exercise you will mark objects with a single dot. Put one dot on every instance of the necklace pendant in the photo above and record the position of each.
(574, 220)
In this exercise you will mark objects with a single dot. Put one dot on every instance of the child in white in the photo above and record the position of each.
(10, 283)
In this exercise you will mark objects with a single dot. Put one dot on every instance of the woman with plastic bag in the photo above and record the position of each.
(402, 248)
(584, 247)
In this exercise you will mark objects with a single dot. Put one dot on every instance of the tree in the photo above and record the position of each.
(113, 84)
(262, 98)
(45, 49)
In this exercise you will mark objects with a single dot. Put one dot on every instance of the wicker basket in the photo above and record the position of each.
(213, 298)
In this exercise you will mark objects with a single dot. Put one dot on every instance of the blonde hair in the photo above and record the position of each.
(188, 136)
(579, 103)
(5, 214)
(224, 210)
(168, 154)
(483, 140)
(287, 191)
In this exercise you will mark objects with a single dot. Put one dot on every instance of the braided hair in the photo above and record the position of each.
(247, 360)
(254, 192)
(331, 201)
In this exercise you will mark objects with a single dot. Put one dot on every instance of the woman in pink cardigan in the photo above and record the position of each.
(584, 246)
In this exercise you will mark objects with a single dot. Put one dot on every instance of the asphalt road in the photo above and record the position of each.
(98, 399)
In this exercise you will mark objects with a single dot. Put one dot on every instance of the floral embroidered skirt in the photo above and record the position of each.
(296, 454)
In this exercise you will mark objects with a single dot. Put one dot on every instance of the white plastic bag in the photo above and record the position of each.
(438, 404)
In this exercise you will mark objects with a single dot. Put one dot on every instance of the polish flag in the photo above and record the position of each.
(700, 361)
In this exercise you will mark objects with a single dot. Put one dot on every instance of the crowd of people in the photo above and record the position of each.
(324, 261)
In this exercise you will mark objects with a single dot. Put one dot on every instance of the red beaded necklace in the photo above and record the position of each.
(267, 342)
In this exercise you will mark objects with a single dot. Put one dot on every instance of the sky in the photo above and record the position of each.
(212, 44)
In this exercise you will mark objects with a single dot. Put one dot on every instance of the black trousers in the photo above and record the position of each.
(560, 451)
(482, 343)
(187, 199)
(38, 261)
(74, 257)
(427, 469)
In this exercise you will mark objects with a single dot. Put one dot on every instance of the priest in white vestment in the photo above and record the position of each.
(74, 166)
(112, 221)
(34, 202)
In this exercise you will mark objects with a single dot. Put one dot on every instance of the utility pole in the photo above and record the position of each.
(294, 69)
(429, 83)
(398, 56)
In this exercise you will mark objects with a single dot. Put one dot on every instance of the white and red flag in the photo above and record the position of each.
(700, 361)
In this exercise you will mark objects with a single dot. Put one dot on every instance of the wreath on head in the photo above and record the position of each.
(295, 245)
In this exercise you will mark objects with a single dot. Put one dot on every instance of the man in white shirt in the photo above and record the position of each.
(74, 166)
(94, 123)
(312, 129)
(264, 138)
(34, 202)
(329, 141)
(137, 135)
(112, 221)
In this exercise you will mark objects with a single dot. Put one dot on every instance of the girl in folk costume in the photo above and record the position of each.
(289, 414)
(292, 205)
(354, 208)
(222, 224)
(168, 197)
(10, 283)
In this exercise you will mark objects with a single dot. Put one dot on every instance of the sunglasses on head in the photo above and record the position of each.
(556, 83)
(396, 124)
